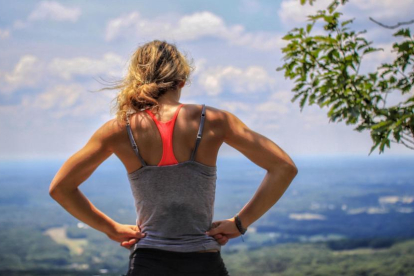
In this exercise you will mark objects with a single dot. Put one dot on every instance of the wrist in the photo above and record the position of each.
(111, 229)
(244, 220)
(242, 229)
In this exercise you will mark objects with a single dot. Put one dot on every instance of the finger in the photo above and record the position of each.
(215, 224)
(213, 231)
(127, 246)
(222, 242)
(223, 238)
(129, 243)
(139, 234)
(126, 243)
(137, 228)
(132, 241)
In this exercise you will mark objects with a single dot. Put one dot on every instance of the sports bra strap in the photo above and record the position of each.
(200, 131)
(134, 145)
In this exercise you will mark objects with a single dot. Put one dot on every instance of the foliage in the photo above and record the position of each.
(326, 71)
(317, 259)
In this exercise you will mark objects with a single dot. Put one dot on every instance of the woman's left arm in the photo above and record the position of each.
(78, 168)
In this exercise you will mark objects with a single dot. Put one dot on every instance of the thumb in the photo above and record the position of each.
(139, 234)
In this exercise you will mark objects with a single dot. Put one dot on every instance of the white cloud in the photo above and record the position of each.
(19, 24)
(282, 96)
(51, 10)
(46, 10)
(385, 9)
(200, 65)
(26, 73)
(291, 11)
(253, 79)
(30, 70)
(4, 33)
(190, 27)
(68, 100)
(110, 64)
(233, 106)
(60, 96)
(272, 107)
(200, 24)
(371, 61)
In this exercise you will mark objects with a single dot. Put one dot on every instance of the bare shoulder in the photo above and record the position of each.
(215, 117)
(258, 148)
(113, 127)
(230, 122)
(215, 114)
(112, 131)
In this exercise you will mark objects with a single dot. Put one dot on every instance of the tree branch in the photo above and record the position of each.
(407, 145)
(403, 137)
(392, 27)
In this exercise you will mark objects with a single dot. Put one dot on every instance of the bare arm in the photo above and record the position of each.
(281, 170)
(64, 186)
(78, 168)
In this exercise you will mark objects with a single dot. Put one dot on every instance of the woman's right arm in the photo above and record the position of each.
(281, 170)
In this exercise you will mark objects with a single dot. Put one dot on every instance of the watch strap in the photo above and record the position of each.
(239, 226)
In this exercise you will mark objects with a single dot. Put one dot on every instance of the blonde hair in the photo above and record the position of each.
(155, 68)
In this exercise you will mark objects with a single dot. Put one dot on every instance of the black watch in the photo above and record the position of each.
(239, 225)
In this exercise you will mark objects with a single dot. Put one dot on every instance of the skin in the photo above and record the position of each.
(221, 127)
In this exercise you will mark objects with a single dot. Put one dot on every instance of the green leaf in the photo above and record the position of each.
(381, 125)
(373, 147)
(347, 22)
(371, 49)
(290, 36)
(403, 32)
(309, 28)
(360, 128)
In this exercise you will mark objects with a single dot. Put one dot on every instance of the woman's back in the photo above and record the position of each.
(149, 141)
(174, 200)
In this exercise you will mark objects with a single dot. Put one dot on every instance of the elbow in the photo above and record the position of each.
(294, 170)
(58, 192)
(291, 170)
(53, 193)
(288, 169)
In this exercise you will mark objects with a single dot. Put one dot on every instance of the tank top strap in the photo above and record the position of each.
(200, 131)
(134, 145)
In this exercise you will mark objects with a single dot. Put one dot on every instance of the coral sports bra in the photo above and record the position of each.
(166, 130)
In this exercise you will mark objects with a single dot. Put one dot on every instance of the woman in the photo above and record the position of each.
(169, 150)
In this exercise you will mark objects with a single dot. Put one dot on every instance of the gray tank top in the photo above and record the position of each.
(174, 203)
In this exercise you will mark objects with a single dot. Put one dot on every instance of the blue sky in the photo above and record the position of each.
(54, 52)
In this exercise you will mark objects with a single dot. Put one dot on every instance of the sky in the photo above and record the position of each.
(54, 54)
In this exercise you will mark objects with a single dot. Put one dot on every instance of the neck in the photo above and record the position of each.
(170, 98)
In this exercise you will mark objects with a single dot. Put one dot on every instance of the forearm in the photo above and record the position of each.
(76, 203)
(269, 192)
